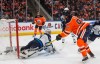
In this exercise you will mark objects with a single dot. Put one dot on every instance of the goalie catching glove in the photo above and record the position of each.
(49, 48)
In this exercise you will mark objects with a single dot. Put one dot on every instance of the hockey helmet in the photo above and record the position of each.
(66, 12)
(48, 31)
(66, 9)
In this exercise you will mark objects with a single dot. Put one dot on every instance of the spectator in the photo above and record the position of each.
(18, 12)
(85, 8)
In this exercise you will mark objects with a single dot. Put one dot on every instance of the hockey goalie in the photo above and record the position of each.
(37, 45)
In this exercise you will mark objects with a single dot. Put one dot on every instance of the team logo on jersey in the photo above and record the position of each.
(38, 21)
(79, 21)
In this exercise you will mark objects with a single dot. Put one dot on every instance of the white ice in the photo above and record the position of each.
(67, 53)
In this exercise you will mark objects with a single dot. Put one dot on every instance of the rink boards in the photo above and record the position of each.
(27, 28)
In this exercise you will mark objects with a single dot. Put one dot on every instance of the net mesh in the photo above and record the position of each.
(4, 35)
(7, 38)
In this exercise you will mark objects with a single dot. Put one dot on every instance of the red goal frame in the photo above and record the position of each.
(17, 37)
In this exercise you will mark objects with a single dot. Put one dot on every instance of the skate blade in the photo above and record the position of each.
(84, 62)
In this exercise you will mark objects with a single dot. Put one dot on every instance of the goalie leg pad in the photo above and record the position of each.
(28, 52)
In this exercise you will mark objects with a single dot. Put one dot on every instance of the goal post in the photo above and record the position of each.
(6, 34)
(17, 38)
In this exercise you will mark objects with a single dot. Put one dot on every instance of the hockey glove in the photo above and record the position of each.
(43, 23)
(58, 37)
(32, 22)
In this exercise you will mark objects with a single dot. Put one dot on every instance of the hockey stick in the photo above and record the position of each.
(51, 42)
(8, 49)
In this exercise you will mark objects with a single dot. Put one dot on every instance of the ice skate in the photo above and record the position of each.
(91, 55)
(85, 58)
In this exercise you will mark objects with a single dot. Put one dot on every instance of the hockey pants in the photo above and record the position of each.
(84, 48)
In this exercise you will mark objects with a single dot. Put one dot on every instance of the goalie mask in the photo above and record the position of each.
(48, 31)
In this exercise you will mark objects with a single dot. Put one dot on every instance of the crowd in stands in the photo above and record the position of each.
(10, 9)
(87, 9)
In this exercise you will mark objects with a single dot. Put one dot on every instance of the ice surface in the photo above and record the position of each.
(67, 53)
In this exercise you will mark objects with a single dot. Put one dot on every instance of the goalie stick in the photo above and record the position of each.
(8, 49)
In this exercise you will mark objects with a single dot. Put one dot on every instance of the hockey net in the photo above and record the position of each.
(9, 38)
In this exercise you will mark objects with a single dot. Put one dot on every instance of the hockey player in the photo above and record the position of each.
(63, 23)
(79, 28)
(95, 32)
(64, 20)
(39, 20)
(38, 45)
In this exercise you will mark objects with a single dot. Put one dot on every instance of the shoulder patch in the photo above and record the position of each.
(79, 21)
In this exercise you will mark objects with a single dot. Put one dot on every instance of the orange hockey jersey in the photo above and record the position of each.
(39, 20)
(75, 25)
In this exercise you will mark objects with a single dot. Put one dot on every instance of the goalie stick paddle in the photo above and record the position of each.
(8, 49)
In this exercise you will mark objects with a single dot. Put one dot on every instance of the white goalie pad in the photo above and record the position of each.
(27, 53)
